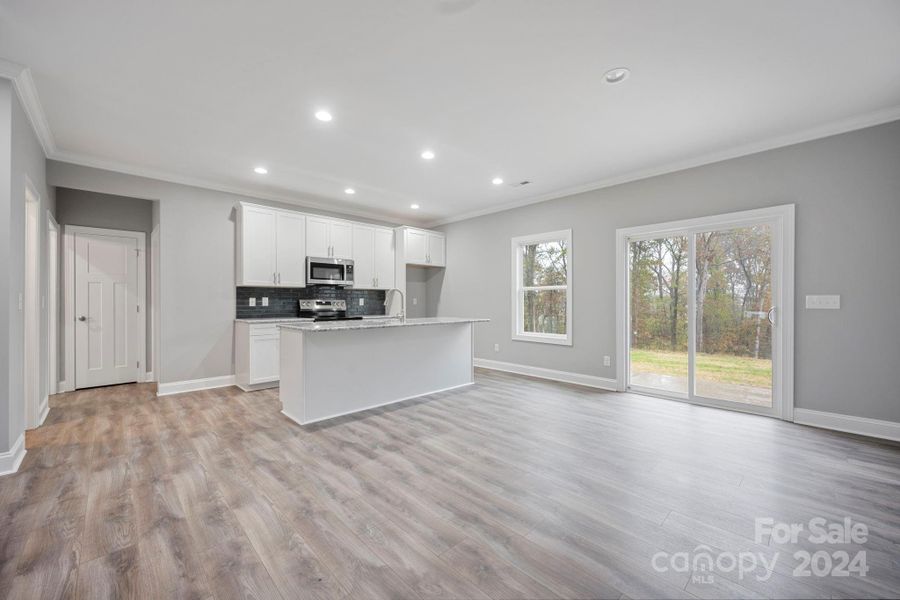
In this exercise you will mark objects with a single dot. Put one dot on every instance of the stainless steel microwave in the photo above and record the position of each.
(329, 271)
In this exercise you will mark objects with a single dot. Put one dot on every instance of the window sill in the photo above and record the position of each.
(559, 340)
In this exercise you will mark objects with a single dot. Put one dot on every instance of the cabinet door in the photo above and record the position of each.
(263, 358)
(416, 246)
(257, 247)
(436, 250)
(290, 250)
(384, 258)
(317, 243)
(363, 256)
(341, 239)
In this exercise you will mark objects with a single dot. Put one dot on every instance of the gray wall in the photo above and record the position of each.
(196, 266)
(21, 159)
(92, 209)
(847, 194)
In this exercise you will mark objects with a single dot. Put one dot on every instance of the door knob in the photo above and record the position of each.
(82, 318)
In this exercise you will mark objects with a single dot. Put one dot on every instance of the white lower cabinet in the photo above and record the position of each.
(256, 355)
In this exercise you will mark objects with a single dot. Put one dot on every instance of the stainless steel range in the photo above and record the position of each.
(325, 310)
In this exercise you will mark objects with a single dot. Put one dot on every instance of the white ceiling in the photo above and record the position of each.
(206, 90)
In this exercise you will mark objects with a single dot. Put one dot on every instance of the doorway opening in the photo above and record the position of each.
(705, 310)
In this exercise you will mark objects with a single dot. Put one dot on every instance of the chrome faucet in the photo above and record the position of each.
(387, 296)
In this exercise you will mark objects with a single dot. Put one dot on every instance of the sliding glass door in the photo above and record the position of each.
(703, 302)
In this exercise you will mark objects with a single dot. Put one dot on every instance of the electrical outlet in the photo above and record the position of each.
(606, 361)
(21, 301)
(362, 301)
(252, 302)
(265, 300)
(496, 347)
(415, 301)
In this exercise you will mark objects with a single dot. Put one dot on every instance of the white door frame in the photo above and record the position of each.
(32, 305)
(782, 220)
(52, 304)
(69, 232)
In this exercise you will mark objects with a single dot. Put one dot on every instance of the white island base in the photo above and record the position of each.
(334, 369)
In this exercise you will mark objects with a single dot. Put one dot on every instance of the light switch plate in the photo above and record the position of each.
(606, 361)
(252, 302)
(830, 302)
(415, 301)
(265, 300)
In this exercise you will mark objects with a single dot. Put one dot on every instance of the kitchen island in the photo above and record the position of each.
(330, 369)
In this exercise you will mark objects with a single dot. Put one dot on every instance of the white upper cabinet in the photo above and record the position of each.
(424, 247)
(363, 256)
(328, 238)
(435, 249)
(384, 258)
(271, 247)
(290, 249)
(317, 237)
(416, 246)
(341, 239)
(373, 257)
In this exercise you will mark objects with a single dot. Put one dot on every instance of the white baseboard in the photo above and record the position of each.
(10, 461)
(63, 386)
(602, 383)
(193, 385)
(888, 430)
(149, 376)
(44, 411)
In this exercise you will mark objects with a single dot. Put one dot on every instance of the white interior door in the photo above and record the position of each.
(106, 309)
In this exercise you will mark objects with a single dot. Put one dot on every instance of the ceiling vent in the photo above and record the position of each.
(520, 184)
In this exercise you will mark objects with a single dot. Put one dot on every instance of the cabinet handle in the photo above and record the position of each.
(279, 278)
(274, 278)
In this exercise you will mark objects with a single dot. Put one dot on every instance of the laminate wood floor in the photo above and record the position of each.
(512, 488)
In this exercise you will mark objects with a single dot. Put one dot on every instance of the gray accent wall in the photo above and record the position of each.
(21, 159)
(846, 190)
(197, 252)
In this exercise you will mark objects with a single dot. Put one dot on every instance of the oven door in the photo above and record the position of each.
(328, 271)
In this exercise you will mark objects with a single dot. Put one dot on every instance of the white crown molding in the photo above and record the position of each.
(601, 383)
(165, 176)
(23, 83)
(807, 135)
(10, 460)
(888, 430)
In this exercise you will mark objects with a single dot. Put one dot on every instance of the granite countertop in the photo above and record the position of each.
(376, 323)
(299, 319)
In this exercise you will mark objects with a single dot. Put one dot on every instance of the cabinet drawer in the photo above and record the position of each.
(267, 329)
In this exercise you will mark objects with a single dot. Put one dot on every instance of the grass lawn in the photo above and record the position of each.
(723, 368)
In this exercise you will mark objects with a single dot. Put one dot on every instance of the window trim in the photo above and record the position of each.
(518, 289)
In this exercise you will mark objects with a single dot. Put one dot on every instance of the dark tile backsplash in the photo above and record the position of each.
(283, 301)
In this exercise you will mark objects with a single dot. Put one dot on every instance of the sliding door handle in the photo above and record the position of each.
(82, 318)
(771, 315)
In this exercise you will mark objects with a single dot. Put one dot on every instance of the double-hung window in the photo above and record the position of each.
(542, 287)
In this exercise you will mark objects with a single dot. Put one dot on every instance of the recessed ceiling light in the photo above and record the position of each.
(260, 170)
(427, 154)
(617, 75)
(323, 115)
(414, 206)
(497, 181)
(350, 191)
